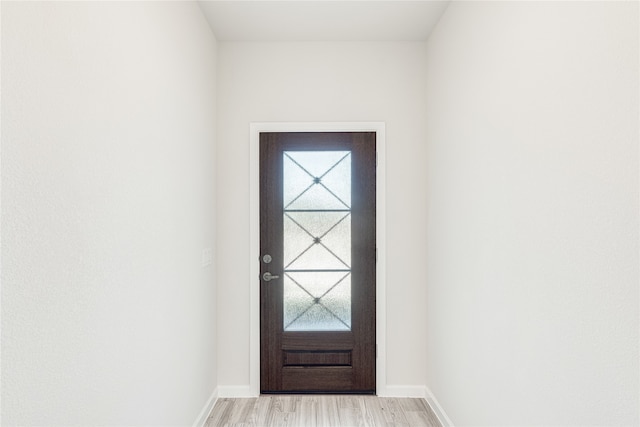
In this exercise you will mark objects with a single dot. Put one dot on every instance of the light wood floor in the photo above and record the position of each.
(322, 411)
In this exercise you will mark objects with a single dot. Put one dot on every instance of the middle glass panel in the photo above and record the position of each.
(317, 240)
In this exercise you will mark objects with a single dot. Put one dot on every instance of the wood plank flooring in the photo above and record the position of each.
(322, 411)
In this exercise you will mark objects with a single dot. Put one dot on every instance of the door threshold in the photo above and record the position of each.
(319, 392)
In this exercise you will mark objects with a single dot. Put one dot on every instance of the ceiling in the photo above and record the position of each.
(327, 20)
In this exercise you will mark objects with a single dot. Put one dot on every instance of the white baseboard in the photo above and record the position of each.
(235, 391)
(437, 409)
(206, 410)
(404, 391)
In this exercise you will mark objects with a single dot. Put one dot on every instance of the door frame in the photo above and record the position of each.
(254, 238)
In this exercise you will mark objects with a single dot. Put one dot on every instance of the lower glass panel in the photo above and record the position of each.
(317, 301)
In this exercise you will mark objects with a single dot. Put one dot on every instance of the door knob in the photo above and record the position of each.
(267, 277)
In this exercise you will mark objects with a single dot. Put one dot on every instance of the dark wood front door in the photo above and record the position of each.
(317, 262)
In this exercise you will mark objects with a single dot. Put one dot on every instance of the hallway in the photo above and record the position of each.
(507, 207)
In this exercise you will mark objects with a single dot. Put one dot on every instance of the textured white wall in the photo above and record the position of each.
(108, 111)
(324, 82)
(532, 272)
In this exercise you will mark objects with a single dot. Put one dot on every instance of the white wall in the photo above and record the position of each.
(324, 82)
(532, 272)
(108, 111)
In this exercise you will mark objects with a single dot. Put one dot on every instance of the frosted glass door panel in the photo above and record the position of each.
(317, 240)
(317, 301)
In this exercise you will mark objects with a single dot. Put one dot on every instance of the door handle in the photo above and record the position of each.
(267, 277)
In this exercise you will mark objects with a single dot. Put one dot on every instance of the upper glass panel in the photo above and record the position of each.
(317, 180)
